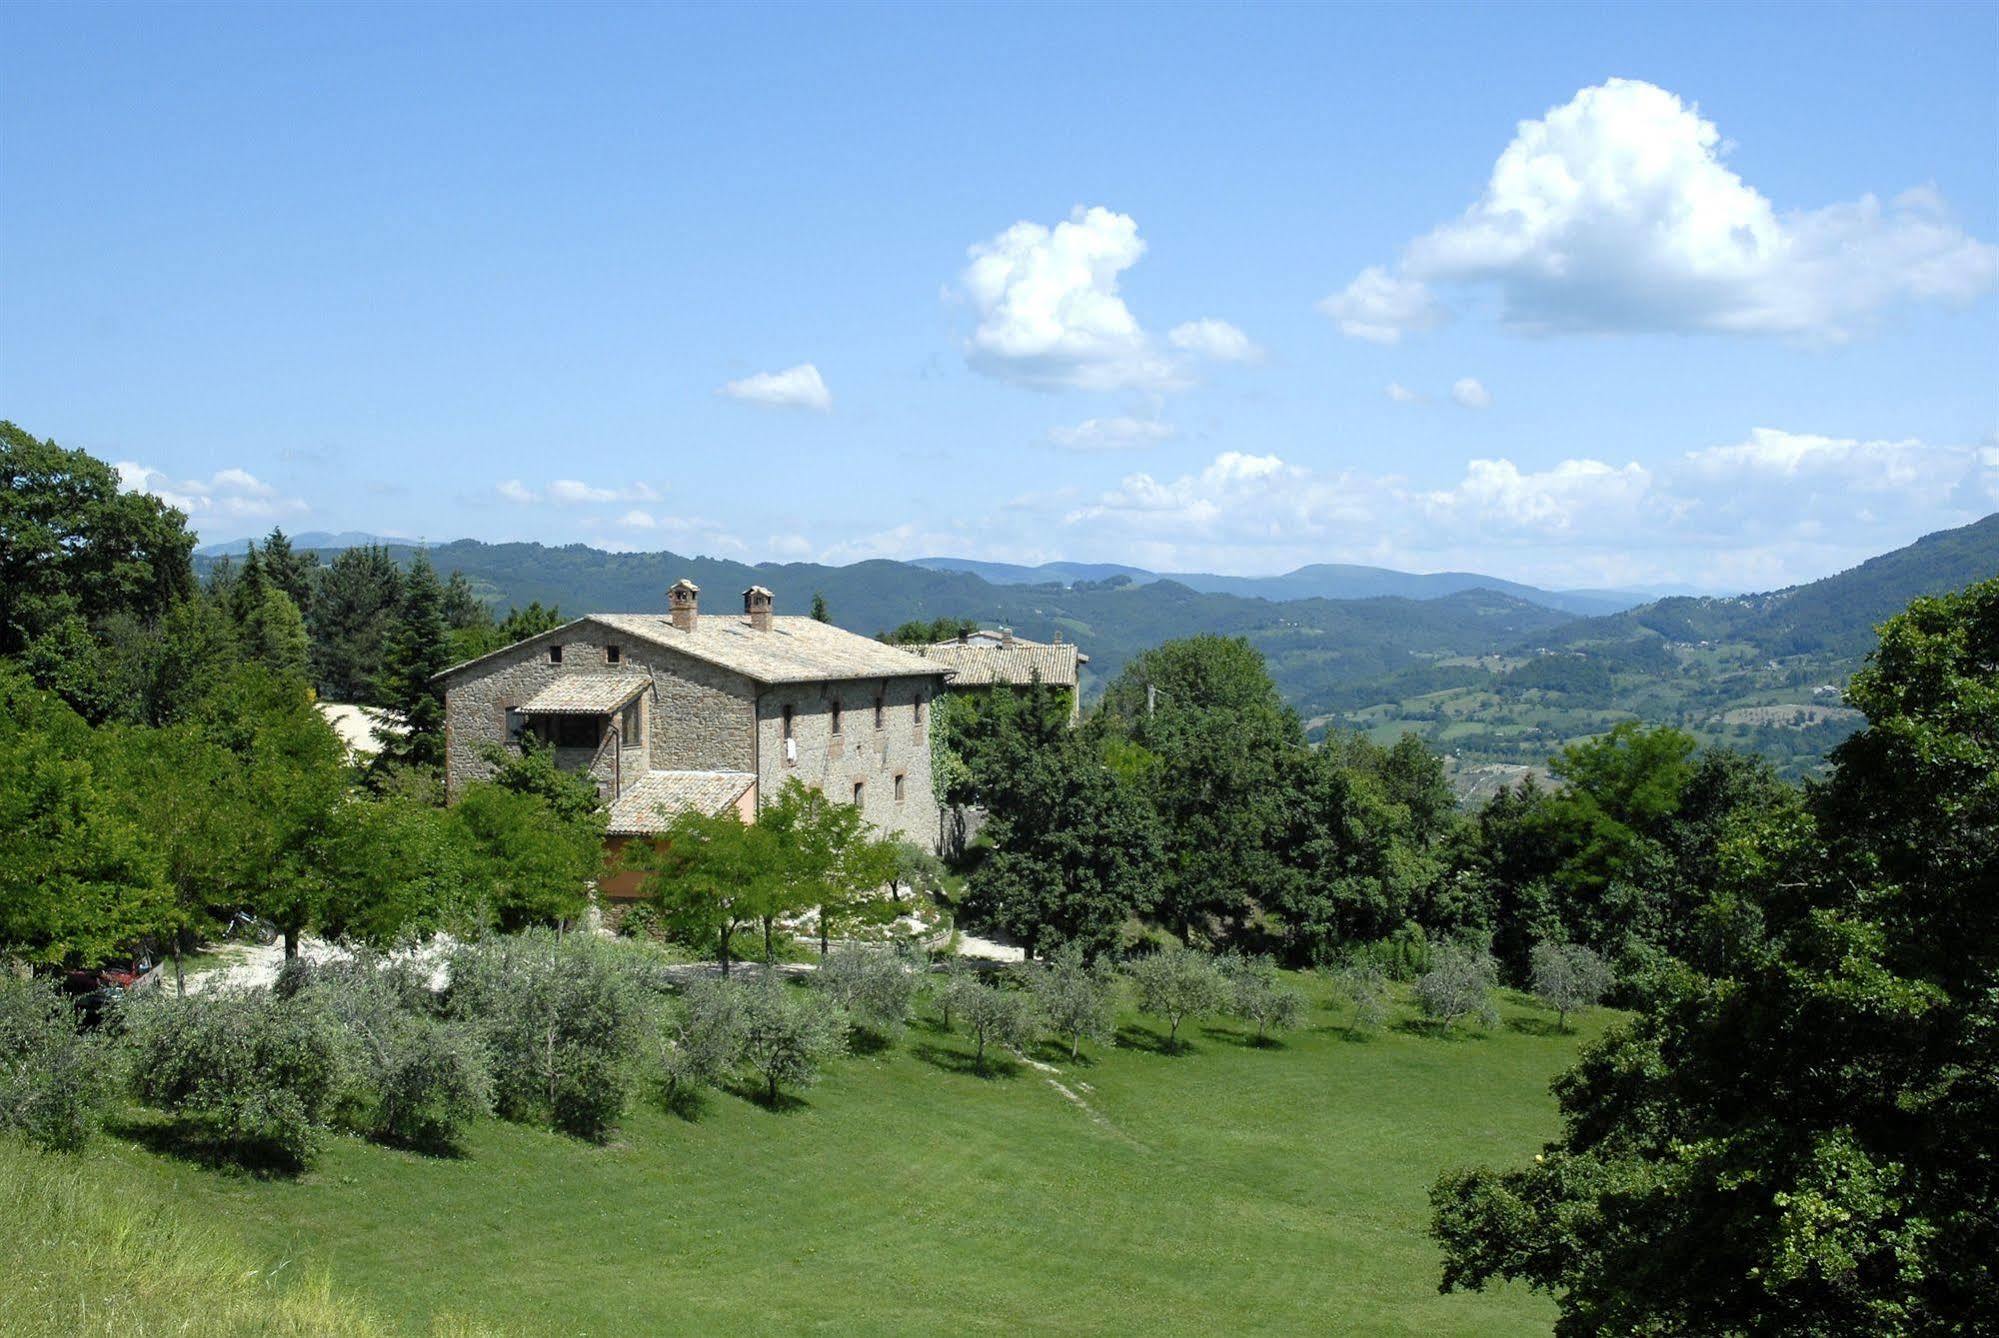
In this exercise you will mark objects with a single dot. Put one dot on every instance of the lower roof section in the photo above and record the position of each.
(658, 797)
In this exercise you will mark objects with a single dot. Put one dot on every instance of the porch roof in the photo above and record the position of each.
(586, 694)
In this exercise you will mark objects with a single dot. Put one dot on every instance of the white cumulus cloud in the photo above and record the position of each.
(1049, 311)
(1214, 339)
(799, 387)
(1400, 393)
(1616, 212)
(1111, 434)
(1575, 497)
(1470, 394)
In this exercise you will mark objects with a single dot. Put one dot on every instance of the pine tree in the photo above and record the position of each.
(289, 570)
(418, 649)
(358, 603)
(274, 634)
(246, 592)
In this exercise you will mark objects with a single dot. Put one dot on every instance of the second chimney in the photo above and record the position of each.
(756, 607)
(683, 603)
(1006, 636)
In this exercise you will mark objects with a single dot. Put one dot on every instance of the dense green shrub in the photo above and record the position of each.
(259, 1075)
(414, 1078)
(562, 1021)
(52, 1078)
(1403, 955)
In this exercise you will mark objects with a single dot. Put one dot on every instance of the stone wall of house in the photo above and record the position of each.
(697, 714)
(859, 753)
(695, 717)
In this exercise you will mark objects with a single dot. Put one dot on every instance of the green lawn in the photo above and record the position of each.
(1228, 1189)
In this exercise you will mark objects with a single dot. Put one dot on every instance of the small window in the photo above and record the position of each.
(836, 717)
(610, 655)
(787, 722)
(919, 709)
(860, 789)
(632, 728)
(898, 787)
(555, 655)
(517, 727)
(881, 711)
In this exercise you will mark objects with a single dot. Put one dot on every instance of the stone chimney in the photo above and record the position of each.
(1006, 636)
(683, 603)
(1058, 636)
(964, 637)
(756, 607)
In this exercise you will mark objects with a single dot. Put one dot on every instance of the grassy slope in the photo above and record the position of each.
(87, 1252)
(1228, 1189)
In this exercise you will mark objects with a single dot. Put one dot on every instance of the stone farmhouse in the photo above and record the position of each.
(988, 656)
(690, 710)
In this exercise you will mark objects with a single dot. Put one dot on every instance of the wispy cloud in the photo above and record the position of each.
(1111, 434)
(227, 493)
(799, 387)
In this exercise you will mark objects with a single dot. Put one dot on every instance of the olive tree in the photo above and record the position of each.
(1569, 977)
(870, 985)
(698, 1039)
(1175, 984)
(1364, 985)
(1256, 995)
(52, 1084)
(1459, 985)
(948, 990)
(257, 1074)
(1075, 998)
(787, 1034)
(995, 1017)
(562, 1022)
(415, 1079)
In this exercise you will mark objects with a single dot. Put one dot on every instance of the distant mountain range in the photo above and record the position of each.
(1321, 580)
(1491, 671)
(314, 539)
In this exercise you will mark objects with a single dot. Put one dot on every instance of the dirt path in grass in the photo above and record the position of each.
(1076, 1098)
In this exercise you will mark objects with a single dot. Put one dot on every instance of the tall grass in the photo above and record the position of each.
(80, 1253)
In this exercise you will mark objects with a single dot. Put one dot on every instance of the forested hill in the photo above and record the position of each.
(1314, 645)
(1836, 615)
(1764, 672)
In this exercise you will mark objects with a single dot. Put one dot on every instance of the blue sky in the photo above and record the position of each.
(1580, 296)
